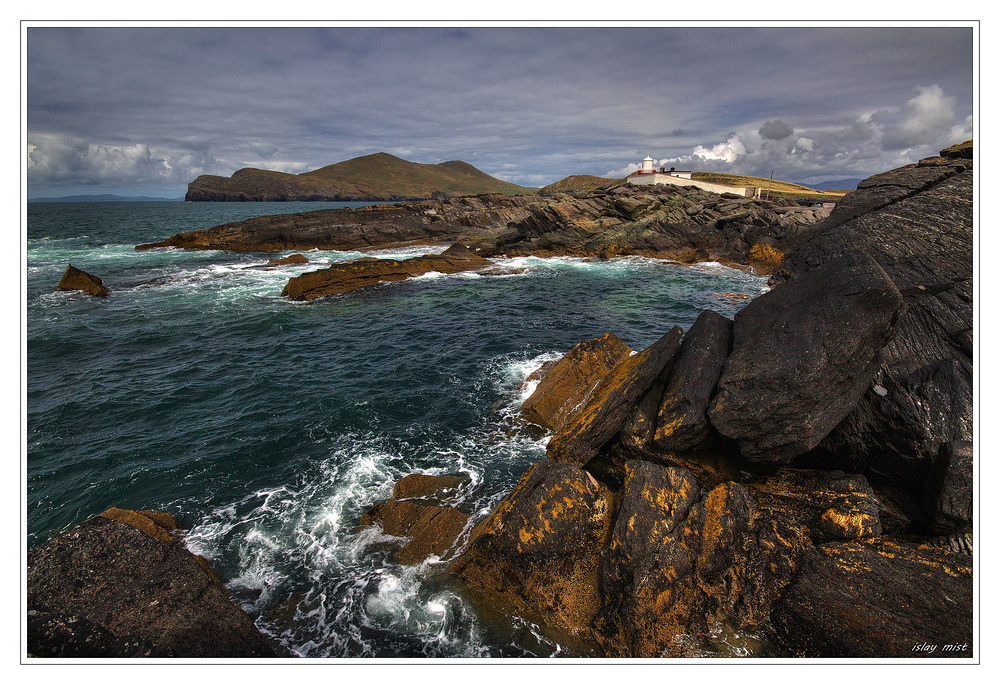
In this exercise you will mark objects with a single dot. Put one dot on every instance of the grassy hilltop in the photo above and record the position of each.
(582, 182)
(380, 176)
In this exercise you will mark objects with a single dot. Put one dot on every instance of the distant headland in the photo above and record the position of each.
(380, 176)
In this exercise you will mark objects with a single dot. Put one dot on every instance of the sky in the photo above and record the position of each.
(145, 110)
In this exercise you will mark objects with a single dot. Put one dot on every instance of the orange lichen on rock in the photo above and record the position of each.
(155, 524)
(539, 553)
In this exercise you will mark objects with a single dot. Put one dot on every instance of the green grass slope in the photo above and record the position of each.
(380, 176)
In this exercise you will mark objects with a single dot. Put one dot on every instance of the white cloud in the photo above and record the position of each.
(728, 151)
(927, 117)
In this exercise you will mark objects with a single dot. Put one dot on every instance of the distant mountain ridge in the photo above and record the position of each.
(379, 176)
(841, 184)
(105, 197)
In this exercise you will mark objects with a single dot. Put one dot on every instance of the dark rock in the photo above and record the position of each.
(803, 354)
(571, 380)
(119, 584)
(429, 222)
(916, 222)
(290, 259)
(681, 421)
(948, 492)
(362, 273)
(607, 408)
(75, 279)
(538, 554)
(880, 599)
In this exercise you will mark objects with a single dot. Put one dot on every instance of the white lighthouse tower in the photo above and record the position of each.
(647, 166)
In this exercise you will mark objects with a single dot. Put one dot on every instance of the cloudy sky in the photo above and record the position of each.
(143, 111)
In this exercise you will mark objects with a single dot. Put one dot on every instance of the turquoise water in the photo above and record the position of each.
(269, 427)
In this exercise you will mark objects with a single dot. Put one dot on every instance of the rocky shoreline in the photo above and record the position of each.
(806, 468)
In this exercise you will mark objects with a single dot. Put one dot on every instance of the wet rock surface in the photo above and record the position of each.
(120, 585)
(364, 273)
(75, 279)
(421, 513)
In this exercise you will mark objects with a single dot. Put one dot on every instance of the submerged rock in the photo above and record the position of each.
(420, 511)
(290, 259)
(120, 585)
(569, 382)
(75, 279)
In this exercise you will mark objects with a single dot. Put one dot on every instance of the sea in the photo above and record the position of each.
(269, 427)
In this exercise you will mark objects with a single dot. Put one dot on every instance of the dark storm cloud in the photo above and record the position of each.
(149, 108)
(775, 130)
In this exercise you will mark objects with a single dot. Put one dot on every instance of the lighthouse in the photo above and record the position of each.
(647, 166)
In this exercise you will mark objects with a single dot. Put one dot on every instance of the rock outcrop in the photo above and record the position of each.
(75, 279)
(121, 585)
(606, 409)
(879, 599)
(672, 222)
(366, 272)
(568, 383)
(915, 222)
(428, 222)
(539, 553)
(421, 513)
(827, 431)
(802, 357)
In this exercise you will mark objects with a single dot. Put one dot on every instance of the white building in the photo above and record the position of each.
(648, 175)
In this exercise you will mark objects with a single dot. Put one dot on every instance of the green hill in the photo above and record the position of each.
(380, 176)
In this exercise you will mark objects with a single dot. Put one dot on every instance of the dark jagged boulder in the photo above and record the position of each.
(916, 223)
(879, 599)
(538, 554)
(75, 279)
(681, 421)
(948, 491)
(803, 354)
(363, 273)
(568, 382)
(607, 408)
(121, 585)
